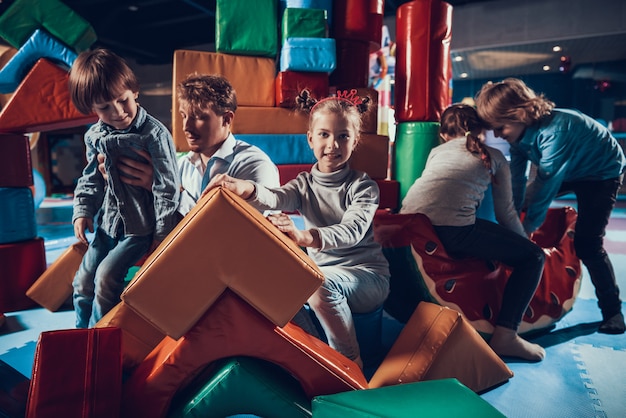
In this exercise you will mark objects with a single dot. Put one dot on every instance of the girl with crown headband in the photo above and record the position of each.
(450, 190)
(338, 206)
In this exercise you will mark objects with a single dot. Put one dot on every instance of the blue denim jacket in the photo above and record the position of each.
(119, 207)
(566, 146)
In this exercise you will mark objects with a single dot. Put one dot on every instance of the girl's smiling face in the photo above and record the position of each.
(332, 139)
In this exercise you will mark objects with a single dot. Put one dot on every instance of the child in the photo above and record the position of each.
(572, 153)
(130, 221)
(338, 205)
(450, 190)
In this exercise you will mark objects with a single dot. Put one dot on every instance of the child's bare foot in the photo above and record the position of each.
(506, 342)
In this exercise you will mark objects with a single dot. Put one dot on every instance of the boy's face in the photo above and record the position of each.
(120, 112)
(205, 130)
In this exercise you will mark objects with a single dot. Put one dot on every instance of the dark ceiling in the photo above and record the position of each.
(150, 30)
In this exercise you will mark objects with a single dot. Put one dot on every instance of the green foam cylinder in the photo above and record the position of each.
(242, 385)
(445, 398)
(414, 140)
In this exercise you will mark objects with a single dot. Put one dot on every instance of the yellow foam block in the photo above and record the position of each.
(438, 343)
(253, 79)
(222, 243)
(54, 286)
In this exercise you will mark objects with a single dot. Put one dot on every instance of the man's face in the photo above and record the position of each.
(205, 131)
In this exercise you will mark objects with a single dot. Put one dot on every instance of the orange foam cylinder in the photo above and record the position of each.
(423, 32)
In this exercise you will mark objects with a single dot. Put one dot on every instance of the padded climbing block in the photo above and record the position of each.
(23, 17)
(303, 23)
(22, 263)
(371, 155)
(231, 327)
(422, 270)
(76, 372)
(252, 78)
(283, 148)
(315, 55)
(414, 141)
(422, 76)
(445, 398)
(14, 391)
(54, 287)
(40, 45)
(17, 215)
(325, 5)
(222, 243)
(290, 83)
(438, 343)
(42, 102)
(353, 64)
(247, 28)
(139, 337)
(242, 385)
(360, 20)
(269, 120)
(16, 168)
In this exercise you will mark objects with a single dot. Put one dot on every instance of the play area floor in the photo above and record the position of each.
(583, 375)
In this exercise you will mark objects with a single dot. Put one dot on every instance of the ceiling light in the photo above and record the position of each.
(133, 8)
(557, 48)
(458, 58)
(463, 75)
(546, 68)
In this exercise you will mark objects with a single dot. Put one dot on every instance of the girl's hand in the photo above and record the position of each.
(241, 188)
(284, 223)
(80, 226)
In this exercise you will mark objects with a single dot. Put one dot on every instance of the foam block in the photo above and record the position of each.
(353, 57)
(360, 20)
(17, 215)
(40, 45)
(22, 263)
(42, 102)
(54, 287)
(247, 28)
(231, 327)
(202, 257)
(308, 55)
(282, 148)
(252, 78)
(290, 83)
(371, 155)
(268, 390)
(303, 23)
(269, 120)
(437, 343)
(16, 168)
(76, 372)
(23, 17)
(325, 5)
(139, 337)
(445, 398)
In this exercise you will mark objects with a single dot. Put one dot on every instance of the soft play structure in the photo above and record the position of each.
(204, 326)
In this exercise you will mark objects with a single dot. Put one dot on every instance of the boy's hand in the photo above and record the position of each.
(80, 226)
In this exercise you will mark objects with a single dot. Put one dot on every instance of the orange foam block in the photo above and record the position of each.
(42, 102)
(231, 327)
(222, 243)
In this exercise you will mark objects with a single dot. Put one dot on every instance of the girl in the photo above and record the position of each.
(449, 191)
(338, 205)
(572, 153)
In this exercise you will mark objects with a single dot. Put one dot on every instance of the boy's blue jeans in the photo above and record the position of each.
(99, 281)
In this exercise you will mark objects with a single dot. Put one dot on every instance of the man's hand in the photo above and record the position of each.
(136, 173)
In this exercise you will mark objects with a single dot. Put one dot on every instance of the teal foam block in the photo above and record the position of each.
(434, 398)
(242, 385)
